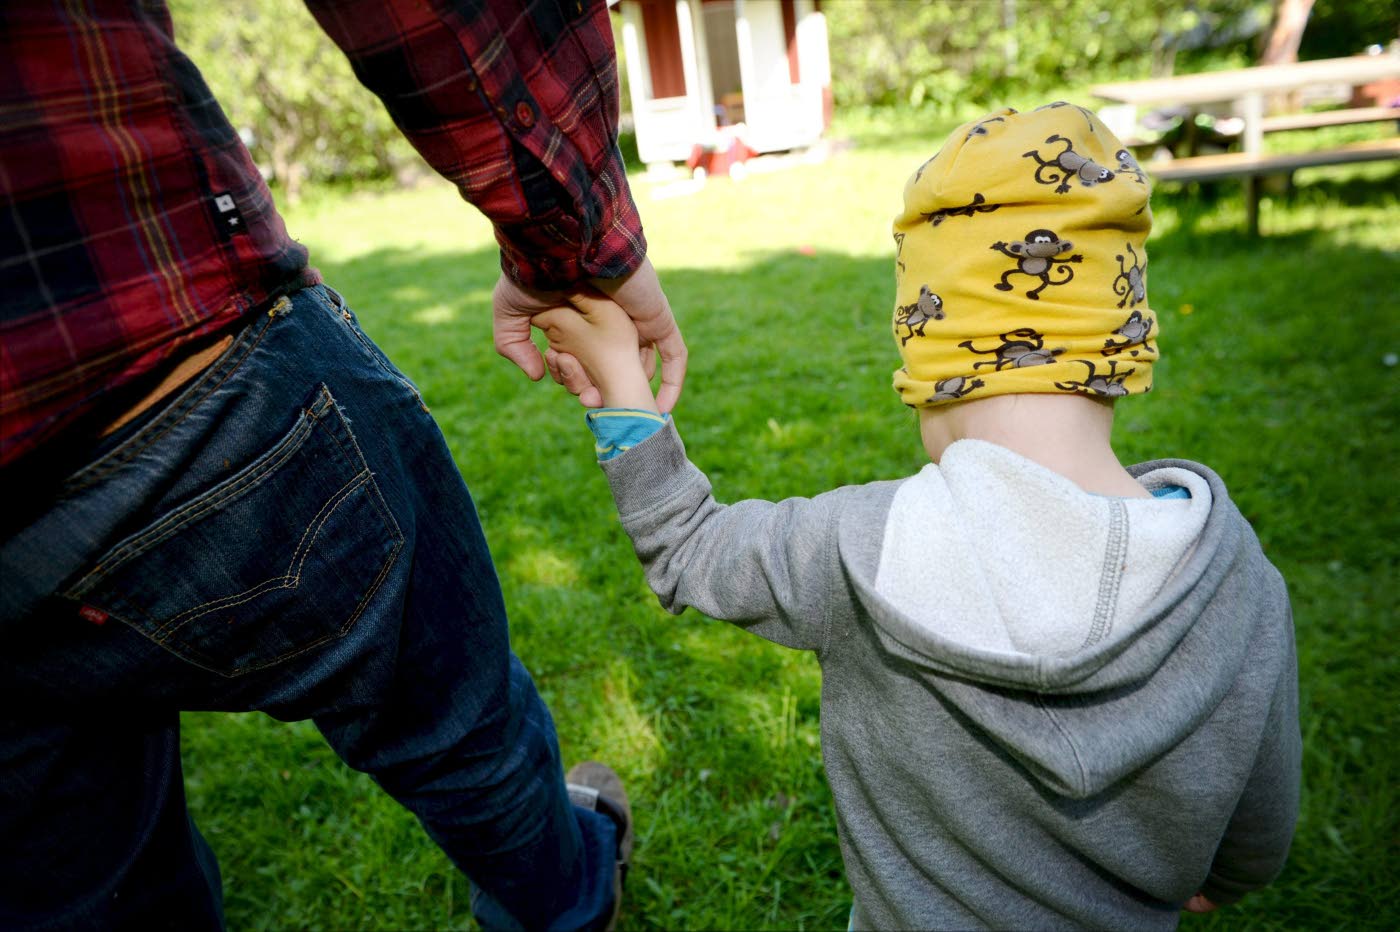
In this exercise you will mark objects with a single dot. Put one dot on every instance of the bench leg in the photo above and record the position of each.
(1251, 203)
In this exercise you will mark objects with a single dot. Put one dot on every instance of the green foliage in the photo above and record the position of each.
(293, 95)
(980, 53)
(289, 91)
(1274, 373)
(1347, 27)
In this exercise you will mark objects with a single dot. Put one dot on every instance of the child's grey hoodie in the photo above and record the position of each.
(1041, 708)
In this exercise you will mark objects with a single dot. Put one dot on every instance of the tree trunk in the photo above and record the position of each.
(1290, 17)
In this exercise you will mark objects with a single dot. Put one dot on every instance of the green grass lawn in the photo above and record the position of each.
(1276, 373)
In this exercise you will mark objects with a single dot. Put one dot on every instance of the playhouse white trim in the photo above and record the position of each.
(776, 112)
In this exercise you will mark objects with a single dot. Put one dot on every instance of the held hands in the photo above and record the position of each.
(595, 341)
(640, 297)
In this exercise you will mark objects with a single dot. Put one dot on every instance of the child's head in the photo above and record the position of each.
(1020, 264)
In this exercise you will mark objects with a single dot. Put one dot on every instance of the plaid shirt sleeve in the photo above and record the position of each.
(515, 102)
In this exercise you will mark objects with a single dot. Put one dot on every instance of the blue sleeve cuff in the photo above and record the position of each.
(1171, 491)
(617, 430)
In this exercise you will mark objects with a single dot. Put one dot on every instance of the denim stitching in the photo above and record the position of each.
(189, 399)
(288, 580)
(377, 500)
(176, 521)
(368, 345)
(391, 524)
(389, 561)
(374, 587)
(204, 662)
(165, 631)
(309, 535)
(349, 623)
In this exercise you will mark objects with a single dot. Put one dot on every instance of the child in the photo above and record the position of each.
(1057, 692)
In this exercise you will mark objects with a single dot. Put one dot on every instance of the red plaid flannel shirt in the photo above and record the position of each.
(135, 222)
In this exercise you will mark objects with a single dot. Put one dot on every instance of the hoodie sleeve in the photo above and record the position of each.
(1256, 842)
(771, 567)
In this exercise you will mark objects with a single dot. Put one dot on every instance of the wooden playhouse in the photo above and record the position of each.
(706, 72)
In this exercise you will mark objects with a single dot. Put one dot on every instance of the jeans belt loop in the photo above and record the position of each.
(335, 296)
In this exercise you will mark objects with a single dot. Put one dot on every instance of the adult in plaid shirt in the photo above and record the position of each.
(193, 524)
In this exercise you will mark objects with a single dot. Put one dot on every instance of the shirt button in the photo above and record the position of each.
(524, 114)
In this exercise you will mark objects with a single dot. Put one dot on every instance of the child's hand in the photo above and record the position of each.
(601, 337)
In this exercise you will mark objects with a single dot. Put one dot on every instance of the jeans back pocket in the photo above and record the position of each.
(279, 558)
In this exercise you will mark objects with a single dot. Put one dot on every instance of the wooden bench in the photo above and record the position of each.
(1251, 166)
(1285, 122)
(1343, 117)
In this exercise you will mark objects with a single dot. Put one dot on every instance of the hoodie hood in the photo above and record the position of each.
(1089, 635)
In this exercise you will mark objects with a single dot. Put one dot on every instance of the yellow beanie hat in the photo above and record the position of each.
(1020, 263)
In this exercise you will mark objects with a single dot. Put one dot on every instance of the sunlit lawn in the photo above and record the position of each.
(1275, 373)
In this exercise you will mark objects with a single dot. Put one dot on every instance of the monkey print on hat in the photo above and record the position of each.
(955, 388)
(1134, 331)
(979, 205)
(1108, 384)
(1026, 349)
(1128, 165)
(1067, 165)
(1133, 280)
(1035, 257)
(915, 317)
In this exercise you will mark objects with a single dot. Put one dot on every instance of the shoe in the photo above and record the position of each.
(598, 788)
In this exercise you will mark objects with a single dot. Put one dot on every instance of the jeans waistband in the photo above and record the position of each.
(127, 442)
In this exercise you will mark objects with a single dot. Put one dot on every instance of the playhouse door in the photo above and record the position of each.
(772, 97)
(659, 43)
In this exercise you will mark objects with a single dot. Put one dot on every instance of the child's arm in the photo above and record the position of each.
(772, 567)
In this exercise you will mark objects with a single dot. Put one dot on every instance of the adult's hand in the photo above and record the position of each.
(511, 309)
(639, 294)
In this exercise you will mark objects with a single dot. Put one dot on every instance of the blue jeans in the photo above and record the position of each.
(290, 535)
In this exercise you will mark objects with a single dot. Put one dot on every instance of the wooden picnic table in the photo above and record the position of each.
(1248, 89)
